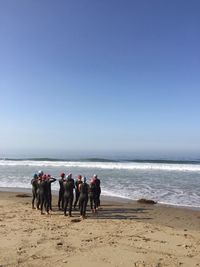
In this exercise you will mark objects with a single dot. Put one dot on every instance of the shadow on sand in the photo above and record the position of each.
(121, 213)
(113, 212)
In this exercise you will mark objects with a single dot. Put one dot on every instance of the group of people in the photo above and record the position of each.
(42, 196)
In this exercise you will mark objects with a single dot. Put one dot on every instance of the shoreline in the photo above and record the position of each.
(162, 214)
(103, 197)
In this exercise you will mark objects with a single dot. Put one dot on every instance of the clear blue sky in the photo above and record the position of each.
(96, 76)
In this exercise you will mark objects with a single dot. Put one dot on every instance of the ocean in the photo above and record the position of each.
(166, 181)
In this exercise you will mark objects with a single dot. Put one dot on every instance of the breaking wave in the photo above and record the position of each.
(192, 167)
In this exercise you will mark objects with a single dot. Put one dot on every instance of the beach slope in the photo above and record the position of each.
(122, 234)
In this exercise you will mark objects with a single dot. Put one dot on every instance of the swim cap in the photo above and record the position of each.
(95, 176)
(62, 175)
(35, 175)
(70, 175)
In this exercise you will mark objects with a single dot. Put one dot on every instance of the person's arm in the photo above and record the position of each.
(52, 180)
(79, 187)
(76, 185)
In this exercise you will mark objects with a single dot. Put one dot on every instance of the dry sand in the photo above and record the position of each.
(122, 234)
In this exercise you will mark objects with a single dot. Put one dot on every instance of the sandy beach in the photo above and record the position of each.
(122, 234)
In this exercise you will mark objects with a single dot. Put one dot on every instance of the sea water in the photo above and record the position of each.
(168, 182)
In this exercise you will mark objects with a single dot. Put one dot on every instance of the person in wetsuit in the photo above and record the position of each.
(34, 183)
(68, 194)
(98, 190)
(77, 192)
(93, 196)
(83, 200)
(40, 174)
(50, 180)
(61, 191)
(43, 196)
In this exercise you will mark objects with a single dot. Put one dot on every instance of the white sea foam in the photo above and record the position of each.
(174, 184)
(105, 165)
(163, 196)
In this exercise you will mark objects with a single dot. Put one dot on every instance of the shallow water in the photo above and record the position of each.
(175, 183)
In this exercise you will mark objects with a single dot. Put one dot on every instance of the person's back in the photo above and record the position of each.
(69, 187)
(42, 186)
(68, 194)
(77, 192)
(43, 193)
(92, 190)
(93, 196)
(83, 188)
(61, 183)
(77, 183)
(61, 191)
(98, 189)
(40, 174)
(34, 183)
(50, 180)
(97, 182)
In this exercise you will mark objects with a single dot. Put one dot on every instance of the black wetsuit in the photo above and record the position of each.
(34, 183)
(98, 191)
(61, 194)
(93, 196)
(42, 195)
(68, 195)
(77, 192)
(38, 190)
(83, 200)
(49, 195)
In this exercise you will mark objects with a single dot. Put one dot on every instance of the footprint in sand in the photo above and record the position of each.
(139, 264)
(75, 220)
(35, 257)
(60, 243)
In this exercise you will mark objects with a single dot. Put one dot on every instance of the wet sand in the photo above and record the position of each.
(124, 233)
